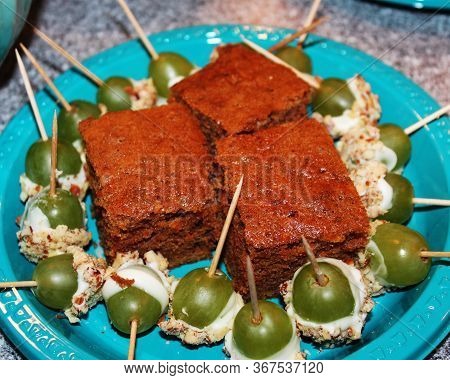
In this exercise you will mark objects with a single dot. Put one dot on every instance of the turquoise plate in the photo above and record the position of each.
(404, 325)
(420, 4)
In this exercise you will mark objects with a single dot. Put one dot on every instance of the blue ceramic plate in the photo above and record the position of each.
(420, 4)
(404, 325)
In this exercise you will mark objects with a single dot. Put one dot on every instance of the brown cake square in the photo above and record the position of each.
(241, 92)
(294, 184)
(154, 183)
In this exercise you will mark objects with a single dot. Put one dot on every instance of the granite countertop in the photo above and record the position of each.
(88, 27)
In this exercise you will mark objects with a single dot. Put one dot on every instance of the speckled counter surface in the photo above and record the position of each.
(88, 27)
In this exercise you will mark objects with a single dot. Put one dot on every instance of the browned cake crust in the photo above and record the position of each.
(154, 184)
(294, 184)
(242, 91)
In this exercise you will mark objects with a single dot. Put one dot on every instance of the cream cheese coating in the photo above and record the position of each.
(366, 109)
(37, 240)
(77, 184)
(363, 144)
(376, 194)
(212, 333)
(91, 275)
(344, 329)
(144, 94)
(149, 274)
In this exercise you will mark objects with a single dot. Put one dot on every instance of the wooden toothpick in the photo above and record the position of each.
(54, 155)
(47, 79)
(18, 284)
(89, 74)
(434, 254)
(300, 32)
(320, 277)
(431, 202)
(309, 19)
(133, 336)
(257, 316)
(31, 98)
(421, 123)
(225, 228)
(306, 77)
(137, 27)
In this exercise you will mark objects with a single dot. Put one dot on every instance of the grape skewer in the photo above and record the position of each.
(69, 282)
(369, 153)
(396, 257)
(37, 163)
(54, 219)
(328, 299)
(136, 293)
(203, 303)
(262, 330)
(166, 68)
(387, 143)
(342, 105)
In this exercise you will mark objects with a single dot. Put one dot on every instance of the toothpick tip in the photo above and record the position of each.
(257, 316)
(321, 279)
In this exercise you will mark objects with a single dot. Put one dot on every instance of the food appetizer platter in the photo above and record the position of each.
(281, 254)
